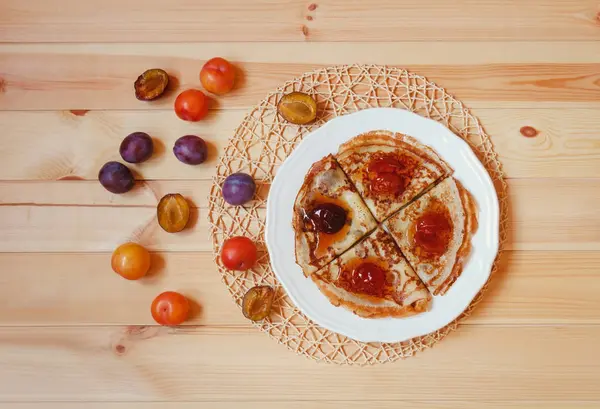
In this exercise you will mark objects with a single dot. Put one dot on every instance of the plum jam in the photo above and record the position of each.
(433, 232)
(390, 174)
(328, 218)
(365, 277)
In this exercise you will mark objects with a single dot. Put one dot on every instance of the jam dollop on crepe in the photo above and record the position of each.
(434, 233)
(328, 218)
(374, 280)
(390, 169)
(390, 174)
(365, 277)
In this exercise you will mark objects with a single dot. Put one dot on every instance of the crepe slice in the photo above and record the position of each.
(374, 280)
(329, 216)
(390, 169)
(434, 233)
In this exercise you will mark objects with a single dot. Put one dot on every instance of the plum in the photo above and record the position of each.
(173, 212)
(298, 108)
(136, 147)
(238, 188)
(257, 302)
(190, 149)
(116, 177)
(151, 84)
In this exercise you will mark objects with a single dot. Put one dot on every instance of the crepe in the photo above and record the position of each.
(390, 169)
(327, 183)
(434, 233)
(373, 280)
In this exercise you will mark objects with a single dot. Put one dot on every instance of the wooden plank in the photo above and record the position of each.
(295, 20)
(87, 281)
(91, 193)
(78, 145)
(545, 214)
(306, 404)
(415, 52)
(208, 364)
(67, 76)
(76, 228)
(565, 220)
(532, 287)
(542, 287)
(565, 142)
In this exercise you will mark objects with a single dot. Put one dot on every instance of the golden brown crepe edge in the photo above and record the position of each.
(470, 227)
(370, 311)
(395, 140)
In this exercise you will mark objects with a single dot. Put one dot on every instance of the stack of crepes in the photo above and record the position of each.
(383, 225)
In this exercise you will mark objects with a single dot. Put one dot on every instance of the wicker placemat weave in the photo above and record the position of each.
(264, 140)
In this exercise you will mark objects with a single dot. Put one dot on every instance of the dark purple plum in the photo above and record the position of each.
(116, 177)
(136, 147)
(190, 149)
(238, 188)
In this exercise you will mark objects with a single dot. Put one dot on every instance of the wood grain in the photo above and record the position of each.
(570, 220)
(531, 287)
(306, 404)
(273, 52)
(567, 142)
(67, 76)
(80, 228)
(237, 365)
(146, 193)
(537, 220)
(71, 145)
(331, 20)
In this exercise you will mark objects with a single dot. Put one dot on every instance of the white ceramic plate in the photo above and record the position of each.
(280, 234)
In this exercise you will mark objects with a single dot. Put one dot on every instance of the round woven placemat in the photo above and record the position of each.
(263, 141)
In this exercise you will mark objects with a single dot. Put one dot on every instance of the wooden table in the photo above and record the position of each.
(75, 335)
